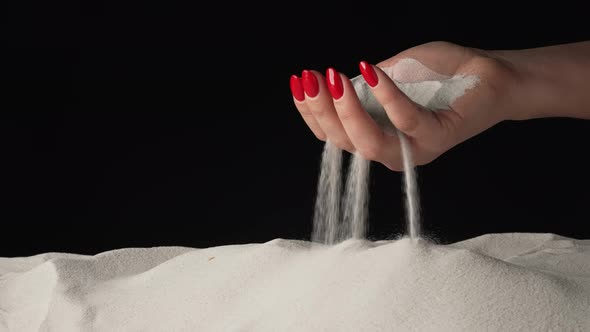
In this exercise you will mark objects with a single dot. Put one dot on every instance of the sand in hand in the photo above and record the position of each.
(502, 282)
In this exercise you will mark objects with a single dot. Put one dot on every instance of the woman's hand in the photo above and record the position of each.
(333, 112)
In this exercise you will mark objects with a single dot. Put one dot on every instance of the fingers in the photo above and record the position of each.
(299, 99)
(318, 102)
(332, 110)
(406, 115)
(366, 136)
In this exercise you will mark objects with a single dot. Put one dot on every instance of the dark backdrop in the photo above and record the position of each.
(171, 123)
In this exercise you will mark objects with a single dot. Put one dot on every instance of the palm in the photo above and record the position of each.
(470, 114)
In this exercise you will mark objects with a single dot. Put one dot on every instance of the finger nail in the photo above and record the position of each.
(334, 83)
(368, 73)
(310, 83)
(297, 88)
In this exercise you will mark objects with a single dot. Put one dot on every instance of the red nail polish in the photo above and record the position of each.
(297, 88)
(310, 83)
(334, 83)
(368, 73)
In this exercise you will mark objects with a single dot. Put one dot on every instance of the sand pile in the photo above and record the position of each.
(502, 282)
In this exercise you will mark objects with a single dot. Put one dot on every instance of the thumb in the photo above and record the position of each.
(406, 115)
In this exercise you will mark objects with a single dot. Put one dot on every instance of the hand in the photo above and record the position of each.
(333, 111)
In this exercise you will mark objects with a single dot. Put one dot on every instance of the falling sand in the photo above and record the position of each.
(356, 198)
(330, 225)
(327, 208)
(410, 189)
(433, 91)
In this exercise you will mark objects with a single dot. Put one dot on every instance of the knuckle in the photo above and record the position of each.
(345, 116)
(388, 99)
(371, 152)
(424, 159)
(343, 144)
(321, 136)
(395, 165)
(306, 114)
(319, 112)
(407, 123)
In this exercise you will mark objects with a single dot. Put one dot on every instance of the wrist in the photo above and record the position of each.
(548, 81)
(528, 94)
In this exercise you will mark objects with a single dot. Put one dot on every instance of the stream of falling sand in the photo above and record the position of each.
(412, 196)
(356, 198)
(327, 205)
(328, 226)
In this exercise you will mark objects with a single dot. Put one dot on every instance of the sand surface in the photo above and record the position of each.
(497, 282)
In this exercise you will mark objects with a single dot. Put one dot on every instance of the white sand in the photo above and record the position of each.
(356, 198)
(326, 218)
(504, 282)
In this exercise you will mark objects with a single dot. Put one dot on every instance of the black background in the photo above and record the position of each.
(171, 123)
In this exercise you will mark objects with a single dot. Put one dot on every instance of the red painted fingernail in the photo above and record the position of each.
(334, 83)
(368, 73)
(310, 83)
(297, 88)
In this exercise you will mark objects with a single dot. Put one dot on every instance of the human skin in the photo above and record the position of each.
(513, 85)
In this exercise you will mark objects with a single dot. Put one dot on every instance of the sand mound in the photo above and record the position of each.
(503, 282)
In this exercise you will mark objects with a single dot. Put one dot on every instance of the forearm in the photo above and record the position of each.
(550, 81)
